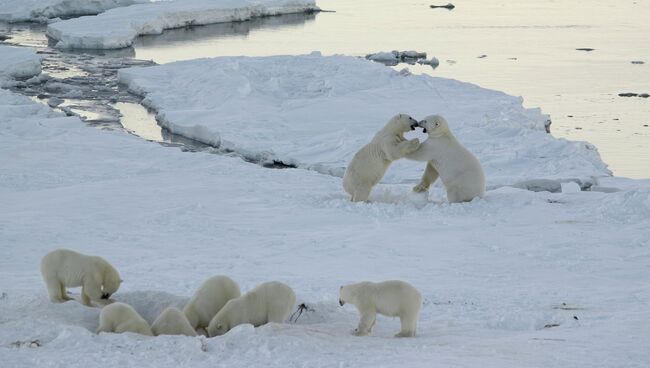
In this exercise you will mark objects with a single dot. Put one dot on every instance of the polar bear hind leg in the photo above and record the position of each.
(430, 175)
(409, 323)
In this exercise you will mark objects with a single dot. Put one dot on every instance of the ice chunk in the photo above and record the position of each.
(117, 28)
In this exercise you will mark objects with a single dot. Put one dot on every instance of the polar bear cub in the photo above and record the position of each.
(120, 318)
(460, 171)
(369, 165)
(389, 298)
(213, 294)
(172, 321)
(63, 268)
(268, 302)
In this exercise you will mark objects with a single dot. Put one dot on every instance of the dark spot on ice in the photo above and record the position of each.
(575, 317)
(628, 94)
(550, 325)
(449, 6)
(585, 49)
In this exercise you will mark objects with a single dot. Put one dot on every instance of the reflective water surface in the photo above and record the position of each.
(525, 48)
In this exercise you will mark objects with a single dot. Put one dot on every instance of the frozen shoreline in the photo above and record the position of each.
(118, 28)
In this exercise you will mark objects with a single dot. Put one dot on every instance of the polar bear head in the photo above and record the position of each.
(111, 281)
(400, 124)
(434, 125)
(350, 293)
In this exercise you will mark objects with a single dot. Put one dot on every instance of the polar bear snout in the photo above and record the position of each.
(341, 302)
(106, 296)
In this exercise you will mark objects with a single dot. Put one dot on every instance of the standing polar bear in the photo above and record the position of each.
(172, 321)
(120, 318)
(369, 165)
(268, 302)
(63, 268)
(389, 298)
(213, 294)
(460, 172)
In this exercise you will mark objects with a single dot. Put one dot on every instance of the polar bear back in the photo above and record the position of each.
(456, 165)
(69, 267)
(172, 321)
(120, 318)
(268, 302)
(213, 294)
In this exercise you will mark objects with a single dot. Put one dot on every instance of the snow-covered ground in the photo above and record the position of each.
(493, 272)
(316, 112)
(117, 28)
(45, 10)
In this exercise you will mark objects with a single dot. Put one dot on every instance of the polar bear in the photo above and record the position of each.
(389, 298)
(460, 171)
(369, 165)
(172, 321)
(268, 302)
(120, 318)
(63, 268)
(213, 294)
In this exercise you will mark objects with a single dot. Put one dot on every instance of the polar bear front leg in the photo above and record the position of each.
(54, 290)
(361, 194)
(64, 294)
(91, 290)
(366, 323)
(396, 151)
(430, 175)
(408, 323)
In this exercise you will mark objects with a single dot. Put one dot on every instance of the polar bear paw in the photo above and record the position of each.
(420, 188)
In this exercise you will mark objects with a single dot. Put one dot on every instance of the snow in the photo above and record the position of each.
(493, 272)
(316, 111)
(42, 10)
(117, 28)
(18, 62)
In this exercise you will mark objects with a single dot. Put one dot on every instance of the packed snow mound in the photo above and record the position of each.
(18, 62)
(315, 112)
(42, 10)
(118, 28)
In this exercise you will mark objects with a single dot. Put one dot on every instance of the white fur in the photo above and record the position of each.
(63, 268)
(389, 298)
(460, 171)
(268, 302)
(120, 318)
(172, 321)
(369, 165)
(213, 294)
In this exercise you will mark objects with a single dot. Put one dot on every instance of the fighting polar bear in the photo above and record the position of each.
(172, 321)
(460, 171)
(213, 294)
(63, 268)
(389, 298)
(268, 302)
(120, 318)
(369, 165)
